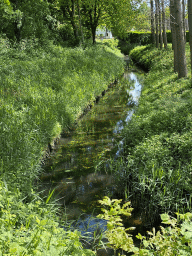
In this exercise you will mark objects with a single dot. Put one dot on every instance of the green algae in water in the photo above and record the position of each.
(71, 170)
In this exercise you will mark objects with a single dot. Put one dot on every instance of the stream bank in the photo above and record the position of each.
(79, 171)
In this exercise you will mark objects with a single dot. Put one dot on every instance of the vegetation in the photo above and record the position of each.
(155, 167)
(135, 38)
(68, 22)
(174, 238)
(43, 90)
(33, 228)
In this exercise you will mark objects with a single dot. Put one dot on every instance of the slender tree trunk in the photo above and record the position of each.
(160, 26)
(71, 12)
(182, 66)
(190, 28)
(157, 23)
(183, 9)
(93, 26)
(80, 24)
(164, 26)
(152, 24)
(173, 30)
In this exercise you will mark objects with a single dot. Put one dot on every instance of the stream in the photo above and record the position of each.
(78, 169)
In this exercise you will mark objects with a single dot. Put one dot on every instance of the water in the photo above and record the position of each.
(72, 169)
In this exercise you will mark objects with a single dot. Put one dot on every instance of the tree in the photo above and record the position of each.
(157, 22)
(71, 12)
(173, 30)
(190, 27)
(116, 15)
(181, 58)
(152, 23)
(6, 14)
(183, 16)
(164, 25)
(29, 19)
(87, 15)
(92, 12)
(160, 25)
(143, 18)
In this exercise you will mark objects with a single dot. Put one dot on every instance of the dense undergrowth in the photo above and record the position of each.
(156, 167)
(43, 90)
(155, 170)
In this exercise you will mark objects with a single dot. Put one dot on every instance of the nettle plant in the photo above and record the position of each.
(174, 238)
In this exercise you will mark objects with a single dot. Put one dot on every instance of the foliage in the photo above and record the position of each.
(116, 232)
(142, 38)
(86, 16)
(173, 238)
(42, 92)
(154, 170)
(143, 18)
(33, 228)
(69, 22)
(169, 36)
(138, 38)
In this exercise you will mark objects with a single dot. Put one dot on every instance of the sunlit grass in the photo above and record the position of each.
(156, 167)
(42, 92)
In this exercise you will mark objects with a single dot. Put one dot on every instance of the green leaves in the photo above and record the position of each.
(116, 233)
(32, 229)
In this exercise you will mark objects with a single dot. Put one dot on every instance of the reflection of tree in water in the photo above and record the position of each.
(89, 145)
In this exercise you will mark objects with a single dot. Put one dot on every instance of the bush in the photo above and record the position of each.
(33, 228)
(174, 238)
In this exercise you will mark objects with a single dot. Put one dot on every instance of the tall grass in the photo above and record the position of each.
(155, 169)
(42, 92)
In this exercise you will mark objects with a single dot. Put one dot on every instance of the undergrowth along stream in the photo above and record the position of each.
(155, 167)
(43, 91)
(155, 171)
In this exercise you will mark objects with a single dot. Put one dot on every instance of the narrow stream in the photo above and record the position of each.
(73, 169)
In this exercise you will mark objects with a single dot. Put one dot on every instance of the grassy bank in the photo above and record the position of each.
(42, 92)
(155, 170)
(156, 165)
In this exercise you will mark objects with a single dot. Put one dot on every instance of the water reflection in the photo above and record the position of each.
(71, 170)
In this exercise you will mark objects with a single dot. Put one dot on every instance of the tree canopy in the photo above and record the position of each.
(75, 19)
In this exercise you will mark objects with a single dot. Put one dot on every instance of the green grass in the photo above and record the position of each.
(42, 92)
(156, 168)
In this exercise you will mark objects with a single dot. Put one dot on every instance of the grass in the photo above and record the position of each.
(42, 92)
(155, 170)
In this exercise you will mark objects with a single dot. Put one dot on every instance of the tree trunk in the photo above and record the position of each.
(182, 66)
(71, 12)
(80, 24)
(173, 30)
(157, 23)
(183, 9)
(152, 24)
(164, 26)
(190, 28)
(160, 26)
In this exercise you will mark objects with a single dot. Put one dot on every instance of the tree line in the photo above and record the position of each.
(178, 29)
(74, 20)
